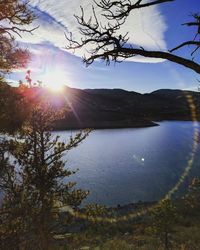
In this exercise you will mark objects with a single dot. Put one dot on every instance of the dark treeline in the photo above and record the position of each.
(100, 108)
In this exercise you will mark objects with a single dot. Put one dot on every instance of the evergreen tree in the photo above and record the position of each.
(15, 15)
(34, 181)
(164, 217)
(13, 108)
(192, 198)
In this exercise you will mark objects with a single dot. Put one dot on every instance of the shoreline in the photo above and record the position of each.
(154, 123)
(107, 125)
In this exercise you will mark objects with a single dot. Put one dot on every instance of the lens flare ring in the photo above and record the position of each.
(144, 211)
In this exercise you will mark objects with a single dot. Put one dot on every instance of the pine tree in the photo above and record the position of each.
(15, 16)
(164, 217)
(192, 198)
(34, 181)
(13, 109)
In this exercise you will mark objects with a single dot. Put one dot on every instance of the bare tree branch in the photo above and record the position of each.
(105, 41)
(195, 43)
(131, 52)
(123, 8)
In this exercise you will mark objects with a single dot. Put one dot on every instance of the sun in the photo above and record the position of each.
(54, 80)
(55, 87)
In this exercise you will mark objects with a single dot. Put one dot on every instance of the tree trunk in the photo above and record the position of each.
(166, 241)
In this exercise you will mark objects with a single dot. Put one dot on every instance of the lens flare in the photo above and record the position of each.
(55, 87)
(54, 80)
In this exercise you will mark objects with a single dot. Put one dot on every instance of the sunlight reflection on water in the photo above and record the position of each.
(121, 166)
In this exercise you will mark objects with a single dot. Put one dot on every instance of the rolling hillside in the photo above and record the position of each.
(116, 108)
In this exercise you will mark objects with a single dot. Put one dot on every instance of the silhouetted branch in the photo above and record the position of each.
(105, 41)
(120, 9)
(112, 55)
(195, 43)
(104, 37)
(196, 40)
(14, 15)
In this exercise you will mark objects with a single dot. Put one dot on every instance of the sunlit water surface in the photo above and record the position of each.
(121, 166)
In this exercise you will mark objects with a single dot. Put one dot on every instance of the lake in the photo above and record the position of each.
(121, 166)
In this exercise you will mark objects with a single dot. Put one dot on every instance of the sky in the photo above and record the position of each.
(158, 27)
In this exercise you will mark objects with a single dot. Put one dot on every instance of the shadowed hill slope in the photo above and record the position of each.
(115, 108)
(111, 108)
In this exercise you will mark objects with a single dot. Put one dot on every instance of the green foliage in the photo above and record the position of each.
(34, 181)
(13, 108)
(13, 16)
(192, 199)
(164, 217)
(95, 210)
(117, 245)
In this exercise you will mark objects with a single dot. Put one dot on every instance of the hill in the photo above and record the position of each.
(111, 108)
(117, 108)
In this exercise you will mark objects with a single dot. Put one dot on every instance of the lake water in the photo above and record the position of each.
(121, 166)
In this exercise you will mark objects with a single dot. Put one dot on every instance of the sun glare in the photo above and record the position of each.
(54, 80)
(55, 87)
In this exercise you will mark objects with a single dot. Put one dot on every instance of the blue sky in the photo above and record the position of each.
(153, 28)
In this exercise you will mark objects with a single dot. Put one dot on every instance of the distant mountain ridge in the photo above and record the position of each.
(118, 108)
